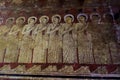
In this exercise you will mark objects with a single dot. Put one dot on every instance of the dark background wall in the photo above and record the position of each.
(16, 8)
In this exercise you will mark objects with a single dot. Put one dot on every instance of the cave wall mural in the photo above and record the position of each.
(59, 37)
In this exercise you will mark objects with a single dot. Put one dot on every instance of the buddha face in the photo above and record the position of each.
(56, 20)
(95, 18)
(21, 21)
(10, 22)
(44, 20)
(69, 19)
(32, 21)
(82, 19)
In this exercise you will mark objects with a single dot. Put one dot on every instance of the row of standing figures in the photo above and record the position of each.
(83, 42)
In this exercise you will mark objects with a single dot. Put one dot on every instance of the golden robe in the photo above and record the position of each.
(25, 55)
(3, 42)
(55, 44)
(84, 44)
(69, 45)
(41, 41)
(12, 46)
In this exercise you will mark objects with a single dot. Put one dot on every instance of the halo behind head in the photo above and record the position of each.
(95, 14)
(20, 18)
(10, 18)
(40, 19)
(69, 15)
(32, 17)
(82, 14)
(57, 15)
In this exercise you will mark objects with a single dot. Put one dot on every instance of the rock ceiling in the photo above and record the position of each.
(54, 3)
(41, 6)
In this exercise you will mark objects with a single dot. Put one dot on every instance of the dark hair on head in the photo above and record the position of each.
(10, 19)
(21, 19)
(108, 15)
(57, 17)
(45, 18)
(33, 18)
(96, 16)
(69, 17)
(83, 16)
